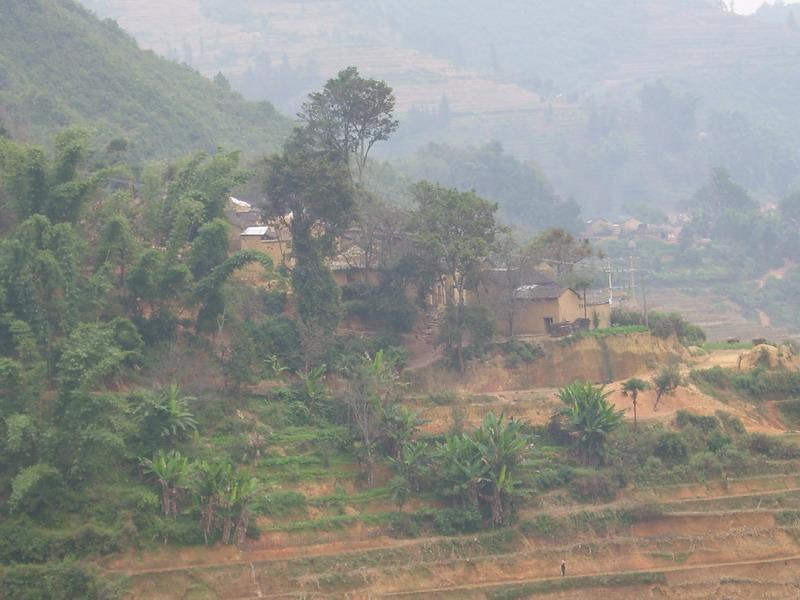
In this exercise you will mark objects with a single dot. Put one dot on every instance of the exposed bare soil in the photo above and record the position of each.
(719, 539)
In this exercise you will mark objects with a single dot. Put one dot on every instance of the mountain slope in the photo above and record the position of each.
(61, 66)
(618, 101)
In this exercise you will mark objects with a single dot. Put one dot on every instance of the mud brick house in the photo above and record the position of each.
(537, 304)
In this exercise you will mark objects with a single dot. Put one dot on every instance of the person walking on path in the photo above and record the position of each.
(563, 568)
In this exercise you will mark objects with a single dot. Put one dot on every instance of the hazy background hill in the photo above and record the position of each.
(617, 101)
(60, 66)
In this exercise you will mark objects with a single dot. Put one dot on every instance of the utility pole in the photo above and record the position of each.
(633, 281)
(644, 300)
(610, 285)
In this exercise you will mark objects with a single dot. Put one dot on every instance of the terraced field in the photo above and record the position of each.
(735, 537)
(720, 319)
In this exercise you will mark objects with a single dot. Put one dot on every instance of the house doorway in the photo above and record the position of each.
(548, 324)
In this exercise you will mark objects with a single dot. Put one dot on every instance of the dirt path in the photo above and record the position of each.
(283, 554)
(263, 555)
(523, 581)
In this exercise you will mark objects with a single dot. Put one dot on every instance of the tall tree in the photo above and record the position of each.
(560, 249)
(459, 230)
(513, 257)
(349, 116)
(310, 192)
(56, 187)
(372, 384)
(666, 382)
(209, 248)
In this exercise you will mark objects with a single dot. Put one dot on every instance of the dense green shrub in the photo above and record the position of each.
(790, 411)
(22, 542)
(672, 448)
(705, 465)
(717, 441)
(706, 424)
(383, 305)
(773, 447)
(278, 504)
(455, 521)
(732, 425)
(716, 376)
(593, 486)
(35, 489)
(758, 383)
(54, 581)
(278, 336)
(183, 531)
(662, 325)
(517, 351)
(274, 301)
(552, 478)
(440, 521)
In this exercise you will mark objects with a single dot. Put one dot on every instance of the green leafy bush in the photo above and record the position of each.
(706, 424)
(182, 531)
(517, 351)
(773, 447)
(35, 489)
(279, 504)
(441, 521)
(22, 542)
(705, 465)
(54, 581)
(593, 486)
(672, 448)
(662, 325)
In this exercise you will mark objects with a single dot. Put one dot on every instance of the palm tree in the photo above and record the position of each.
(631, 388)
(502, 447)
(591, 416)
(172, 471)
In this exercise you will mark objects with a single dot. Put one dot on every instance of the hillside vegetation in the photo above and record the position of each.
(60, 66)
(617, 101)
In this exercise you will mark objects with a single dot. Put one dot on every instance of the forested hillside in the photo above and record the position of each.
(617, 102)
(60, 66)
(328, 393)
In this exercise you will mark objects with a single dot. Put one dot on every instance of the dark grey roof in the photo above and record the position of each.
(532, 284)
(535, 291)
(500, 277)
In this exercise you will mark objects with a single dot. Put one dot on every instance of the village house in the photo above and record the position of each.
(600, 228)
(269, 240)
(241, 213)
(538, 305)
(351, 266)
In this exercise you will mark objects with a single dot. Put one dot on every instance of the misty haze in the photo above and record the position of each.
(399, 298)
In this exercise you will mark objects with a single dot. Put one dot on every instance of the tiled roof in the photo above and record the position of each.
(536, 291)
